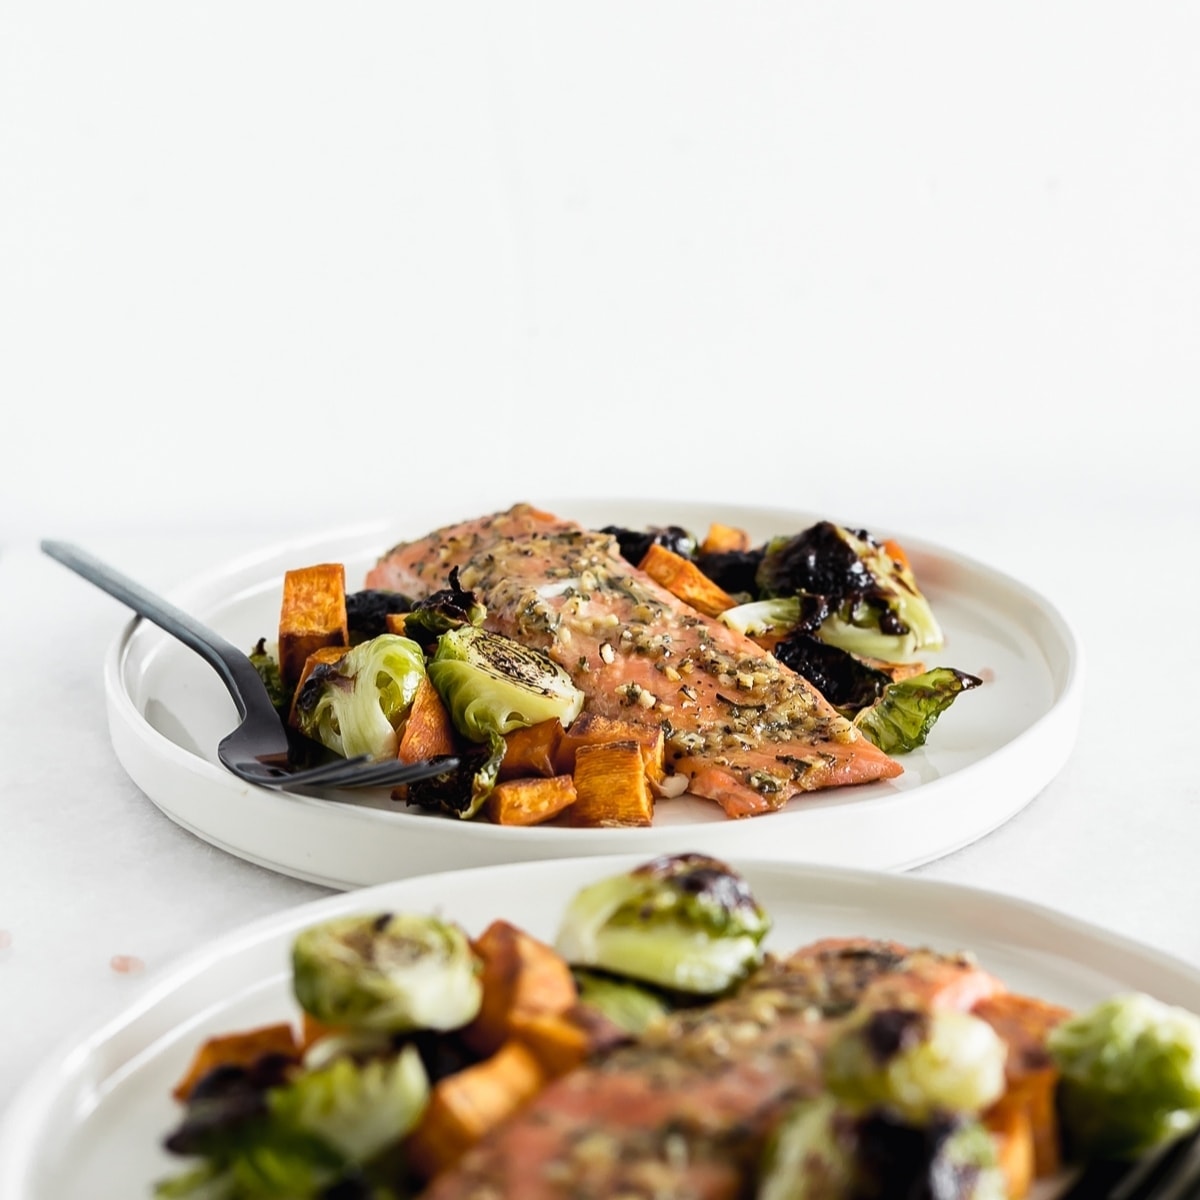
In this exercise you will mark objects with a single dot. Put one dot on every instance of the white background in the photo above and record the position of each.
(286, 264)
(273, 268)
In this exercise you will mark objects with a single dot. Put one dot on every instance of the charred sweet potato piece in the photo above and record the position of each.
(237, 1050)
(683, 579)
(561, 1041)
(724, 539)
(529, 801)
(467, 1104)
(312, 615)
(521, 976)
(532, 750)
(326, 654)
(591, 729)
(1009, 1124)
(611, 786)
(428, 729)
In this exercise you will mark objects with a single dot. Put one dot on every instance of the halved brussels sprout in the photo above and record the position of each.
(685, 922)
(392, 972)
(493, 685)
(355, 705)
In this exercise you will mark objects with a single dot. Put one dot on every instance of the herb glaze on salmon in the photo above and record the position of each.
(685, 1111)
(745, 730)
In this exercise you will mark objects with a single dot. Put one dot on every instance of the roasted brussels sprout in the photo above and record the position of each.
(391, 972)
(355, 705)
(824, 1150)
(490, 685)
(877, 608)
(917, 1063)
(900, 720)
(450, 608)
(358, 1109)
(266, 663)
(685, 922)
(812, 1154)
(625, 1003)
(493, 685)
(1129, 1074)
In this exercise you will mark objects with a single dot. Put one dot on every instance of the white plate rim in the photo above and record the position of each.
(1028, 924)
(145, 752)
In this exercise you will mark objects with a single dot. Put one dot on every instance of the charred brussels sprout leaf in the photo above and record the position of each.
(355, 705)
(901, 719)
(461, 790)
(635, 542)
(390, 973)
(367, 612)
(1129, 1074)
(845, 681)
(450, 608)
(876, 608)
(684, 922)
(267, 666)
(735, 571)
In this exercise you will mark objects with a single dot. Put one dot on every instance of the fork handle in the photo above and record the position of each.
(234, 667)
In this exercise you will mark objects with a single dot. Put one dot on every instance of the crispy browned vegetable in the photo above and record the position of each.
(325, 654)
(611, 786)
(683, 579)
(561, 1041)
(533, 750)
(529, 801)
(464, 1106)
(237, 1050)
(1009, 1124)
(428, 729)
(724, 539)
(521, 976)
(312, 615)
(591, 729)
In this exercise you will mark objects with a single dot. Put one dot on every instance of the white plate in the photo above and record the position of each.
(989, 755)
(97, 1110)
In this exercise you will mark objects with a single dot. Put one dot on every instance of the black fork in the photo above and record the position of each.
(257, 750)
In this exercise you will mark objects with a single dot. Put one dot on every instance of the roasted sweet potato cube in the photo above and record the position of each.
(521, 976)
(311, 616)
(395, 622)
(1024, 1023)
(611, 787)
(532, 750)
(465, 1105)
(592, 729)
(428, 729)
(529, 801)
(326, 654)
(683, 579)
(237, 1050)
(724, 539)
(562, 1041)
(1008, 1123)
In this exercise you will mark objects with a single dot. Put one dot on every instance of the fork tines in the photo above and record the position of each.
(1172, 1173)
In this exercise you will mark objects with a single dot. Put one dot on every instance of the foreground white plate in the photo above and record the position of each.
(91, 1121)
(988, 756)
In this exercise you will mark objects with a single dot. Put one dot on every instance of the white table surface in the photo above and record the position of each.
(91, 871)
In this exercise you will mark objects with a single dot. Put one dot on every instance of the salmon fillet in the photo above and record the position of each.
(747, 732)
(686, 1111)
